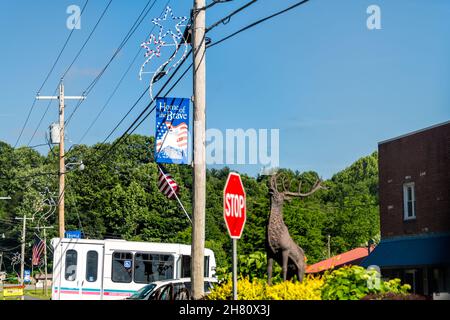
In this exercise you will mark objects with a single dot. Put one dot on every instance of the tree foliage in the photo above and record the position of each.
(117, 197)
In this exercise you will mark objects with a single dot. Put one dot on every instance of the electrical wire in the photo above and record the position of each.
(87, 40)
(48, 75)
(127, 132)
(132, 127)
(227, 18)
(70, 66)
(78, 214)
(127, 37)
(256, 23)
(115, 89)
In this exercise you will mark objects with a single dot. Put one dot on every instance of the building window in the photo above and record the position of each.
(71, 265)
(91, 266)
(122, 267)
(409, 201)
(152, 267)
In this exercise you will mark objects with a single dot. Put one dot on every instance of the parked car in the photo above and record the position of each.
(179, 289)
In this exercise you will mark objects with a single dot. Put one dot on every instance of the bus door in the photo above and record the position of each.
(92, 272)
(82, 272)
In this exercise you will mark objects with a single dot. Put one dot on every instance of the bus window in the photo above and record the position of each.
(71, 265)
(186, 266)
(91, 266)
(152, 267)
(122, 267)
(206, 267)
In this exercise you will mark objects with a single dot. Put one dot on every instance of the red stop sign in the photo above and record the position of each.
(234, 205)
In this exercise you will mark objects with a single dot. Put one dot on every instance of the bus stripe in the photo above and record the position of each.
(92, 291)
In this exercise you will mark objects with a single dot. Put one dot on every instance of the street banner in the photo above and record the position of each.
(27, 276)
(172, 130)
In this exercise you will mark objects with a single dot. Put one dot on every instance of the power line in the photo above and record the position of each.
(143, 112)
(70, 66)
(223, 20)
(42, 118)
(10, 249)
(48, 75)
(141, 115)
(227, 18)
(131, 31)
(256, 23)
(145, 109)
(88, 38)
(78, 215)
(115, 89)
(124, 135)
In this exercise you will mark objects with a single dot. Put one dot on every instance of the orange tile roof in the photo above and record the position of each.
(339, 260)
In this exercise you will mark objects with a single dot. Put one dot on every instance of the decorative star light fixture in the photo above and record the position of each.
(155, 43)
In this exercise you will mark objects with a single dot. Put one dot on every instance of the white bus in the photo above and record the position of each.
(86, 269)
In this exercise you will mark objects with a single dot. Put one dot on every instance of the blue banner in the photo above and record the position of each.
(172, 130)
(27, 276)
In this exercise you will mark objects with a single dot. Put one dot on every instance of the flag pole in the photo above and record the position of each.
(182, 207)
(176, 196)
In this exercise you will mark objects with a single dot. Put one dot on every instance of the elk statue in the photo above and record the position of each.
(279, 244)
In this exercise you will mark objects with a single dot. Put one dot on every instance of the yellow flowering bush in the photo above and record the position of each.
(247, 290)
(309, 289)
(257, 289)
(346, 283)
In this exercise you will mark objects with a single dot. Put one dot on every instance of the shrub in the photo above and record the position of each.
(354, 283)
(257, 289)
(247, 290)
(309, 289)
(347, 283)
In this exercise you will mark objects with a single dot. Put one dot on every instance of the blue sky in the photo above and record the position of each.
(333, 87)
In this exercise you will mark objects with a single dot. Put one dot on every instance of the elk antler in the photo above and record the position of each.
(317, 185)
(273, 182)
(283, 183)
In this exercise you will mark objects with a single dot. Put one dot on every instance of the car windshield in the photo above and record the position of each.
(143, 292)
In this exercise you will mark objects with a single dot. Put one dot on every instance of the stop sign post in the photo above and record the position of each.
(234, 214)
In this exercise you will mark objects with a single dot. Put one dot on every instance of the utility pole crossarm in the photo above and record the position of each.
(47, 97)
(57, 98)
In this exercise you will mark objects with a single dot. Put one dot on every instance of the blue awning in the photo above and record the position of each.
(420, 250)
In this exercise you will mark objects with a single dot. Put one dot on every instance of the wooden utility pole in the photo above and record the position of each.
(62, 166)
(22, 254)
(199, 196)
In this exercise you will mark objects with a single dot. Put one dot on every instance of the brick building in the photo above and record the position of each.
(414, 190)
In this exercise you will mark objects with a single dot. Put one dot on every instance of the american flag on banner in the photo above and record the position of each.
(170, 135)
(38, 248)
(166, 184)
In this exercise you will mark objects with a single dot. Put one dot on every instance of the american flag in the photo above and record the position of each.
(170, 135)
(38, 248)
(166, 184)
